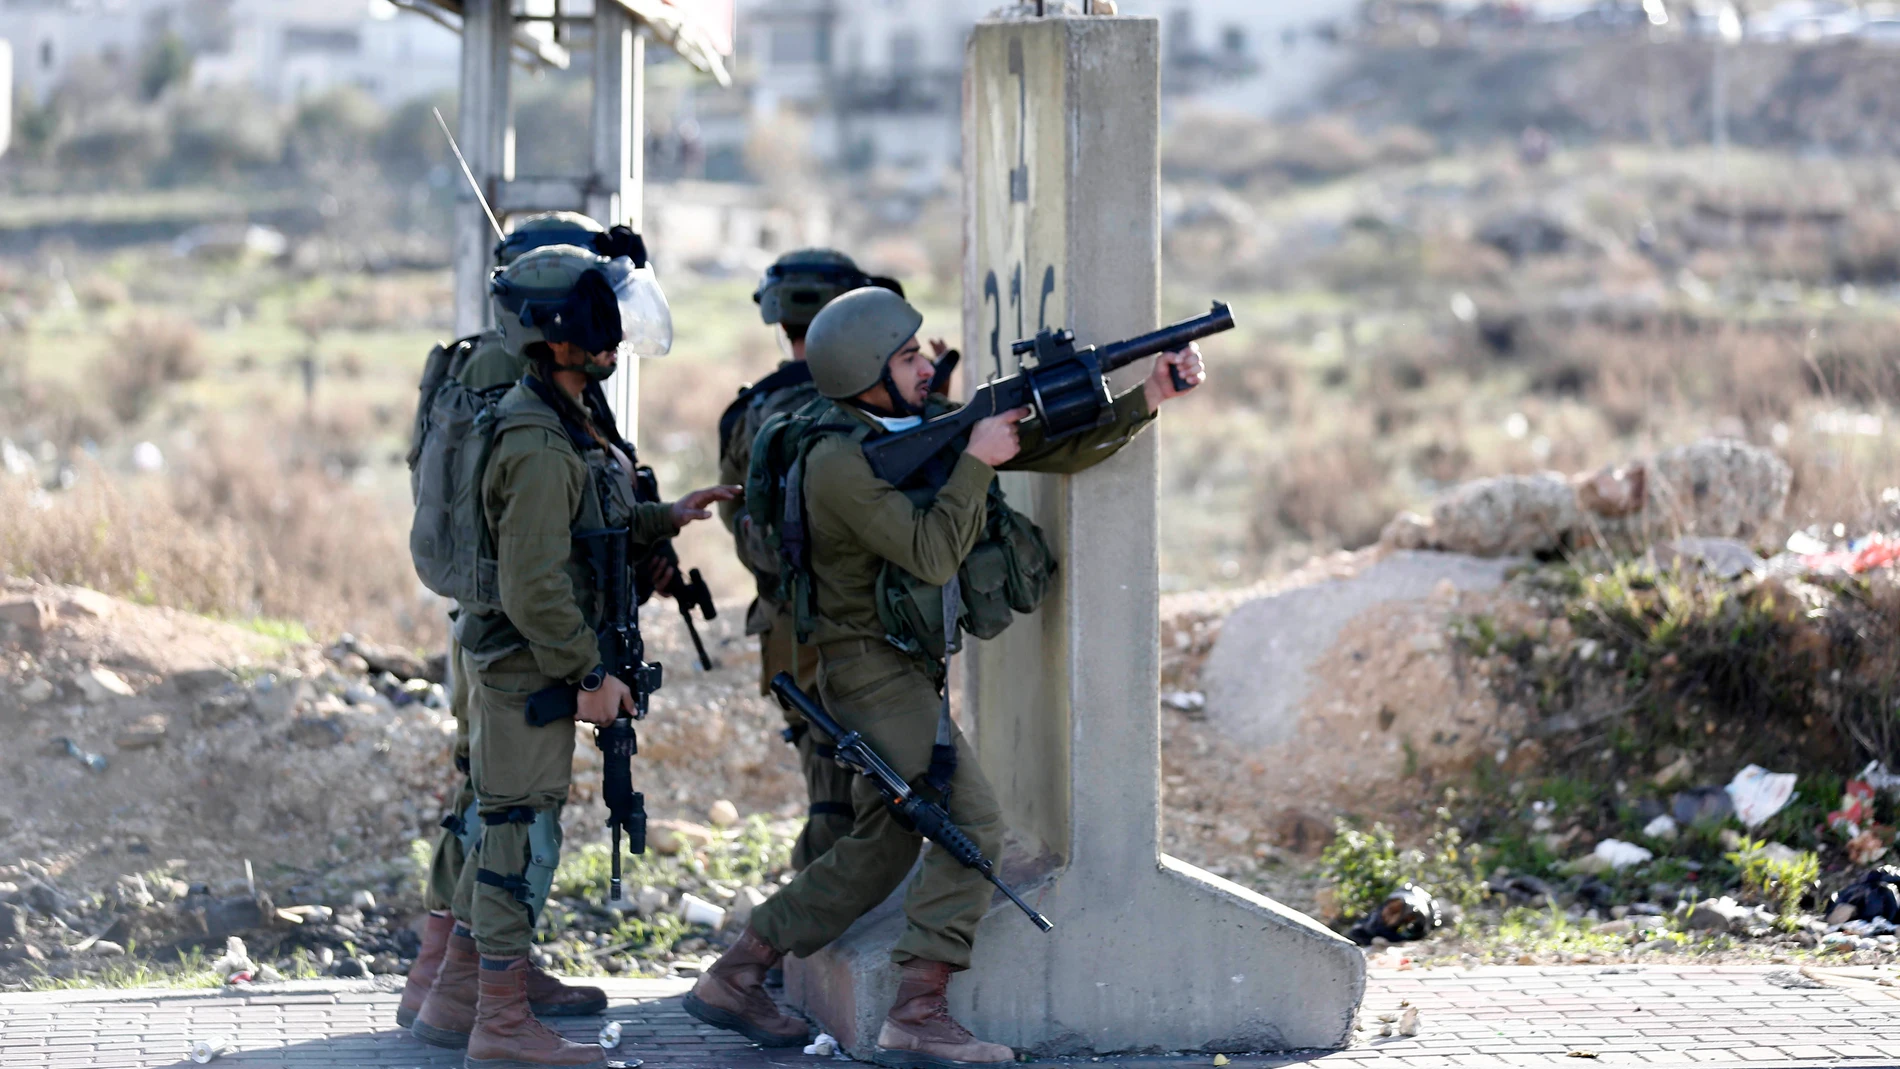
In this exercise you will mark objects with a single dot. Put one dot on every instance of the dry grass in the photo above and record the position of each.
(238, 532)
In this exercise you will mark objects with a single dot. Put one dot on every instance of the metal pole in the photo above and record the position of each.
(614, 187)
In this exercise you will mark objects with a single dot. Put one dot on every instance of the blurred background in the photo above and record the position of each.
(1461, 238)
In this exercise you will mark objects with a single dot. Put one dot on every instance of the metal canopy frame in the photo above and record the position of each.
(610, 189)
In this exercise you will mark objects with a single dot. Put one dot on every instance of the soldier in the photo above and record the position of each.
(792, 292)
(487, 361)
(868, 540)
(558, 474)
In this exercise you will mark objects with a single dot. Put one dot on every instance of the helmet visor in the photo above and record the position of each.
(646, 323)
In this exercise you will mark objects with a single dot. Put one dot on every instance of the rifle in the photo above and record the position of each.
(1065, 388)
(623, 656)
(927, 817)
(689, 590)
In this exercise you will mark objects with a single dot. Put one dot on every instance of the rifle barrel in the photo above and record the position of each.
(1167, 339)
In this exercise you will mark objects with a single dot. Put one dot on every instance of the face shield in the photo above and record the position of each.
(646, 323)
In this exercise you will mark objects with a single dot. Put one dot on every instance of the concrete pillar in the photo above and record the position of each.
(484, 134)
(1061, 122)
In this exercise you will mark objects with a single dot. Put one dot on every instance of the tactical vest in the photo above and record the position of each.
(607, 505)
(785, 390)
(1009, 571)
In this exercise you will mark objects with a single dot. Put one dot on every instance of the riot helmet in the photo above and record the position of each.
(565, 293)
(568, 228)
(800, 283)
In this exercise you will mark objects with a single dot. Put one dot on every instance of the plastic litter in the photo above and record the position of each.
(824, 1046)
(1663, 827)
(205, 1051)
(1407, 914)
(1759, 794)
(1875, 775)
(696, 910)
(1876, 895)
(1857, 808)
(1621, 855)
(91, 760)
(610, 1035)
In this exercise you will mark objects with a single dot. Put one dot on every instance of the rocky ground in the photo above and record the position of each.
(1513, 721)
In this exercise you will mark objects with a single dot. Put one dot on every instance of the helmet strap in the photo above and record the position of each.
(899, 404)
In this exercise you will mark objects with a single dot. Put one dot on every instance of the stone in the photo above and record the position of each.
(1613, 492)
(45, 899)
(144, 733)
(1301, 832)
(723, 814)
(739, 913)
(363, 900)
(1720, 487)
(99, 683)
(350, 968)
(31, 615)
(25, 952)
(318, 732)
(86, 603)
(1718, 915)
(649, 900)
(274, 699)
(106, 948)
(1508, 515)
(1724, 558)
(10, 926)
(666, 836)
(35, 691)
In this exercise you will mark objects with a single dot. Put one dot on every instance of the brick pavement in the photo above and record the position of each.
(1471, 1019)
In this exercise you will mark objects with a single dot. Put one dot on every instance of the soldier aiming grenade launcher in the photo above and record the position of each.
(928, 818)
(1065, 388)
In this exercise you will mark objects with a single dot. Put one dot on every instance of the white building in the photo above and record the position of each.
(283, 49)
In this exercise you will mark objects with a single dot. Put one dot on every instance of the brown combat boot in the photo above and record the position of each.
(919, 1032)
(448, 1013)
(549, 997)
(732, 996)
(506, 1034)
(435, 943)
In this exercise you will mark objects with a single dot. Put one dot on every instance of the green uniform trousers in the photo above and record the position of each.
(446, 863)
(876, 690)
(828, 816)
(515, 766)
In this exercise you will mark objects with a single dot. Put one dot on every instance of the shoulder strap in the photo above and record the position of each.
(575, 432)
(794, 373)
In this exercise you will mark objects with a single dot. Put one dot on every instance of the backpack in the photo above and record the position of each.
(444, 365)
(1009, 570)
(448, 539)
(785, 390)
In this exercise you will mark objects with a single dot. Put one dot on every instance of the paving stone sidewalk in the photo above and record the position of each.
(1470, 1019)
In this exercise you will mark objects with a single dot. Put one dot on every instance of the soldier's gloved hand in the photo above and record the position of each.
(694, 505)
(995, 440)
(622, 241)
(601, 707)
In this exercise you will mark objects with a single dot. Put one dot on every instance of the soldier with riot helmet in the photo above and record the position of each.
(557, 475)
(490, 361)
(886, 565)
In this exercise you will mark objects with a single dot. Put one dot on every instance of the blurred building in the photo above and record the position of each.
(282, 49)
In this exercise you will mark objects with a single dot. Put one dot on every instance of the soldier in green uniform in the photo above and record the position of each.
(865, 537)
(487, 361)
(793, 290)
(557, 475)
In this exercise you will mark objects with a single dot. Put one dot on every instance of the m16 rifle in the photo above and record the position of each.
(688, 589)
(1065, 388)
(927, 817)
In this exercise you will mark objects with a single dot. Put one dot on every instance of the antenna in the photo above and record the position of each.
(470, 175)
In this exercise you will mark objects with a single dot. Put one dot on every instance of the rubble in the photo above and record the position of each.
(1716, 489)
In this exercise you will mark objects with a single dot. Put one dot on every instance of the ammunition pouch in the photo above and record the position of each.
(1009, 571)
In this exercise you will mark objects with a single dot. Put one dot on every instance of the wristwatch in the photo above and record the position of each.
(592, 681)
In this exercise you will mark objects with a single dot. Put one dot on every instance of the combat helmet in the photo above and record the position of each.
(566, 293)
(543, 229)
(803, 281)
(852, 340)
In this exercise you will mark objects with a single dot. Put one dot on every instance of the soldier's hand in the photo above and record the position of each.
(995, 440)
(1159, 386)
(660, 574)
(601, 707)
(695, 506)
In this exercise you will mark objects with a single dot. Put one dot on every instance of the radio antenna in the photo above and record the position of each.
(470, 175)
